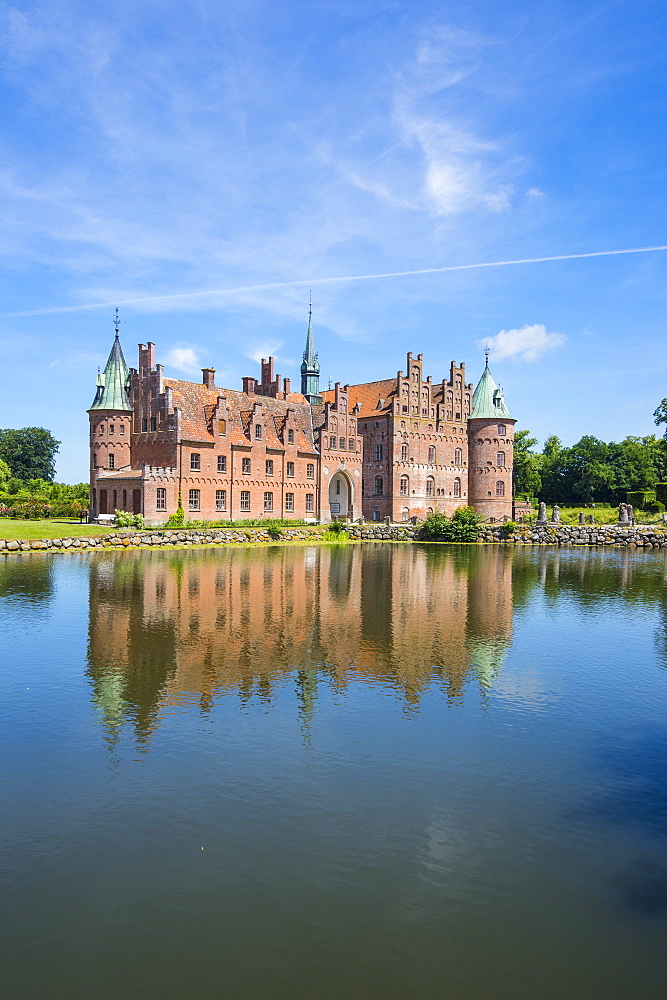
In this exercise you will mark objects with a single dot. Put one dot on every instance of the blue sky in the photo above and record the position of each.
(202, 164)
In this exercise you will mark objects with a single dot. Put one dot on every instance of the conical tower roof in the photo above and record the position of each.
(488, 401)
(310, 364)
(113, 383)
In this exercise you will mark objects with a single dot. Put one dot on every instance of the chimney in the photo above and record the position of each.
(286, 386)
(146, 357)
(249, 385)
(208, 377)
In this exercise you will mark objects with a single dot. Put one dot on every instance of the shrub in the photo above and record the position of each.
(124, 519)
(273, 531)
(661, 492)
(463, 527)
(657, 507)
(640, 498)
(177, 519)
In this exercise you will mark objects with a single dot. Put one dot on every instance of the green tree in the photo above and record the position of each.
(552, 473)
(5, 474)
(588, 472)
(660, 415)
(30, 452)
(526, 465)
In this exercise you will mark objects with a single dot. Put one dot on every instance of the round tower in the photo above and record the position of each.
(110, 424)
(490, 451)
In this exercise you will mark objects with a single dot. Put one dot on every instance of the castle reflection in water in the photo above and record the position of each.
(172, 626)
(175, 627)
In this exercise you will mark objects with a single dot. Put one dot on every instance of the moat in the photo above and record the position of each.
(364, 771)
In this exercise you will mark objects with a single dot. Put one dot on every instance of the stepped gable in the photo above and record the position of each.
(368, 395)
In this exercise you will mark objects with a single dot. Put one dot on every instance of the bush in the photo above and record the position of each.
(657, 507)
(177, 519)
(273, 531)
(640, 499)
(124, 519)
(337, 528)
(661, 492)
(463, 527)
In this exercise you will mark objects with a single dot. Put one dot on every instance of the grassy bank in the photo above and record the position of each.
(20, 531)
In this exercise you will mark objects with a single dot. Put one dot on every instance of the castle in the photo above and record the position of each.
(397, 448)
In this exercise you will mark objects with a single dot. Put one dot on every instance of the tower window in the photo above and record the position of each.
(378, 452)
(153, 423)
(457, 487)
(332, 443)
(502, 430)
(430, 486)
(431, 455)
(500, 459)
(112, 460)
(341, 444)
(121, 429)
(458, 456)
(144, 424)
(500, 489)
(379, 486)
(405, 483)
(350, 444)
(111, 428)
(404, 453)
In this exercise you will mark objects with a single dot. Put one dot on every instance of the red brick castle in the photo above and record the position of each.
(396, 448)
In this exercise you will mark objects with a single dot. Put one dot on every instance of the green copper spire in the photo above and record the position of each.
(113, 383)
(488, 401)
(310, 366)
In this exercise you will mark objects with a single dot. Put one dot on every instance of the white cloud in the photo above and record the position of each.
(265, 349)
(184, 359)
(528, 343)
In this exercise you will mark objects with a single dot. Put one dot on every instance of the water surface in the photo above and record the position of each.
(370, 771)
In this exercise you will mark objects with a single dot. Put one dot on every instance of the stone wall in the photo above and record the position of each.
(640, 536)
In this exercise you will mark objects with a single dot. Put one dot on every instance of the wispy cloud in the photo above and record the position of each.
(528, 343)
(184, 358)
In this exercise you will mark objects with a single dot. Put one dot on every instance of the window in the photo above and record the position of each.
(258, 431)
(193, 500)
(332, 442)
(457, 487)
(378, 452)
(310, 503)
(376, 514)
(144, 423)
(290, 469)
(337, 487)
(431, 455)
(125, 500)
(289, 501)
(245, 499)
(430, 486)
(111, 428)
(121, 429)
(458, 456)
(341, 444)
(222, 463)
(350, 444)
(221, 499)
(268, 501)
(269, 466)
(245, 467)
(404, 409)
(195, 463)
(379, 486)
(310, 471)
(222, 426)
(405, 482)
(161, 499)
(101, 428)
(290, 437)
(112, 460)
(153, 423)
(500, 459)
(502, 430)
(115, 500)
(404, 453)
(405, 514)
(500, 489)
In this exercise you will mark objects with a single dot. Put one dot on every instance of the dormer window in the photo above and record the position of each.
(258, 432)
(290, 437)
(502, 430)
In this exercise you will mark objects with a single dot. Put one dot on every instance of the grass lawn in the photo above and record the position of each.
(52, 528)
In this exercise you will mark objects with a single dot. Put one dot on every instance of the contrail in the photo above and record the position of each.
(309, 282)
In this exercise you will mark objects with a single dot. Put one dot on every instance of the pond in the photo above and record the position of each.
(358, 770)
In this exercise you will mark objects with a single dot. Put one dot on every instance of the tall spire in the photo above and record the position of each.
(113, 383)
(310, 366)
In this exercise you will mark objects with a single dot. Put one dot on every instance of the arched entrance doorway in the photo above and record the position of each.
(341, 496)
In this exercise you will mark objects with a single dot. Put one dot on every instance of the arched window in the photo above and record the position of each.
(457, 487)
(404, 453)
(502, 430)
(405, 483)
(500, 459)
(405, 514)
(379, 486)
(500, 489)
(431, 455)
(458, 456)
(430, 486)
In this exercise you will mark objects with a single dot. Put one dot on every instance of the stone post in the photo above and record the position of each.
(582, 519)
(622, 514)
(556, 514)
(542, 514)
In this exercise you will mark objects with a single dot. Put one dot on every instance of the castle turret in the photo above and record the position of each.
(310, 366)
(490, 447)
(110, 418)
